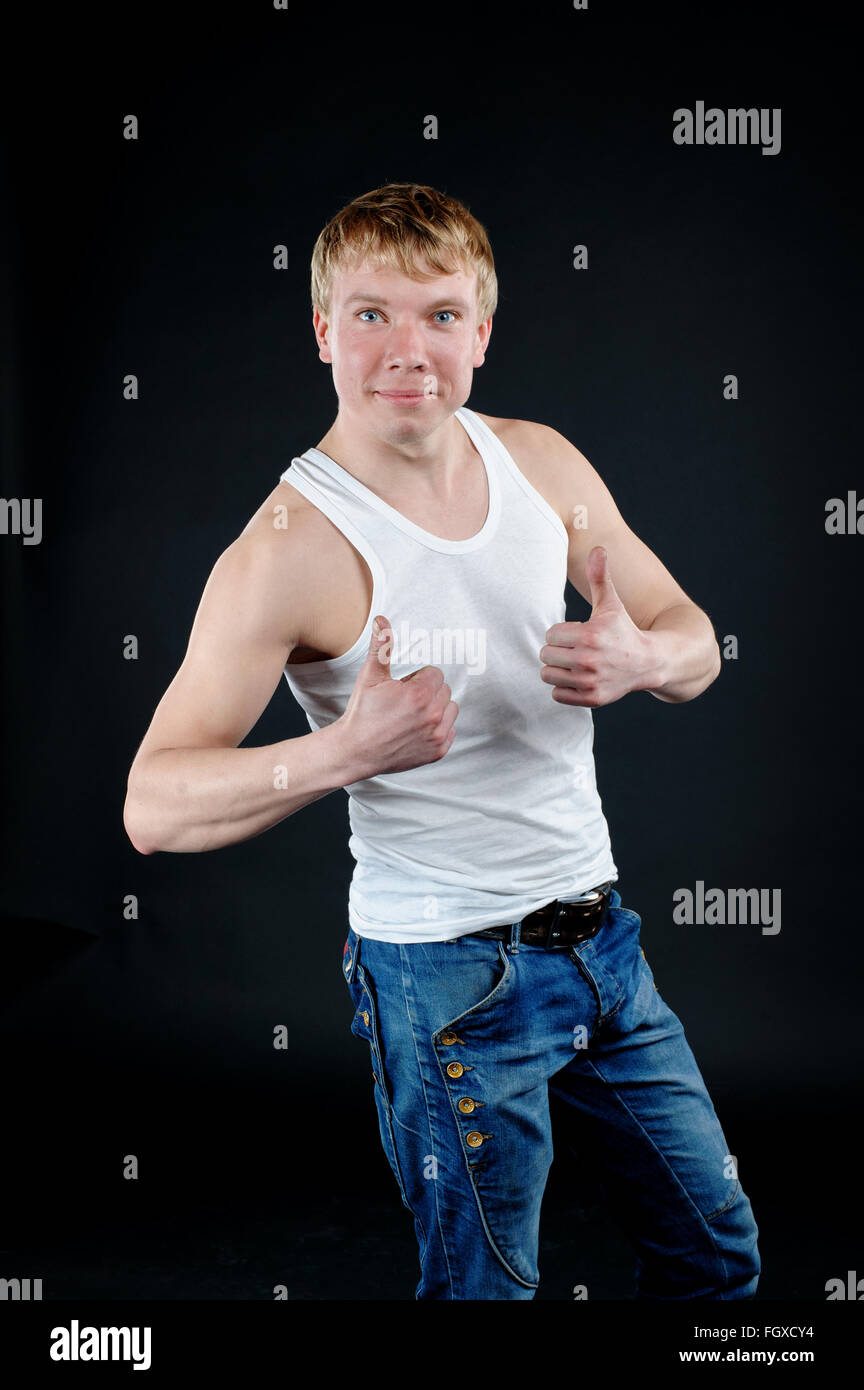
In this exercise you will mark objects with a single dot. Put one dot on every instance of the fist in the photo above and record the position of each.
(392, 725)
(596, 662)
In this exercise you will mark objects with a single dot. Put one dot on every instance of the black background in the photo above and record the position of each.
(154, 1036)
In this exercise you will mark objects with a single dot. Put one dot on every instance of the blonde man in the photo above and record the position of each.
(406, 575)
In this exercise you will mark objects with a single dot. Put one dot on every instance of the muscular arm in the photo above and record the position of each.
(686, 653)
(678, 647)
(190, 788)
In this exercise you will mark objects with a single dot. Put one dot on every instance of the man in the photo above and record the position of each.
(489, 958)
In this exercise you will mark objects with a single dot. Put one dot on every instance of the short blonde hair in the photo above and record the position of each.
(397, 224)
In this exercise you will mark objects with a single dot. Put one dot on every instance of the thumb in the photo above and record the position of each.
(603, 594)
(376, 667)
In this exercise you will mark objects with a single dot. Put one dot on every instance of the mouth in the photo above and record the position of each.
(402, 397)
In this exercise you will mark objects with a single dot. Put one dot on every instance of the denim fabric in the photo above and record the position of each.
(467, 1040)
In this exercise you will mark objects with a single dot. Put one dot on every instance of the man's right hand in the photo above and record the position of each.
(392, 725)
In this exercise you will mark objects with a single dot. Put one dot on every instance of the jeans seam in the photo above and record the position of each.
(704, 1219)
(726, 1205)
(390, 1115)
(585, 970)
(432, 1141)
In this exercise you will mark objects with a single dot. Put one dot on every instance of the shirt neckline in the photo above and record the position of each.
(411, 528)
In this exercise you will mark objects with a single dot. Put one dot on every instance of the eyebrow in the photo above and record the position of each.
(357, 296)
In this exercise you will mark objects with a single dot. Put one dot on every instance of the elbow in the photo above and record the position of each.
(142, 849)
(137, 841)
(714, 659)
(135, 832)
(710, 678)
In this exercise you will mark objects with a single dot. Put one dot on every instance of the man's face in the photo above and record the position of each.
(403, 351)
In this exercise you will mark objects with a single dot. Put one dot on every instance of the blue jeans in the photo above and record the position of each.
(467, 1040)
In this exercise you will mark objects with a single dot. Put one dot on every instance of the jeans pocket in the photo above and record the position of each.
(634, 923)
(631, 920)
(477, 980)
(631, 927)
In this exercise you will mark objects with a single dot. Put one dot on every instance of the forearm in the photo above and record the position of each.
(684, 654)
(187, 800)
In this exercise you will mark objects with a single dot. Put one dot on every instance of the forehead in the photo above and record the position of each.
(369, 278)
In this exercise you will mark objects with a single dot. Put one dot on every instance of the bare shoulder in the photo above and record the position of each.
(530, 436)
(504, 426)
(308, 573)
(294, 535)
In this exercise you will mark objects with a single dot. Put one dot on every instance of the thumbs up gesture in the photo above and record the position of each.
(596, 662)
(392, 725)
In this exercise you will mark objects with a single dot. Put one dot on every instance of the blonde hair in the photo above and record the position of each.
(395, 225)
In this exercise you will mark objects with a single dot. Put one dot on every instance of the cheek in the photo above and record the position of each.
(351, 364)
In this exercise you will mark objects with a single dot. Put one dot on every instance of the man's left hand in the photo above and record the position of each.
(596, 662)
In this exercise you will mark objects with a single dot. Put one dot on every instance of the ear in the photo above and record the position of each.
(484, 333)
(321, 327)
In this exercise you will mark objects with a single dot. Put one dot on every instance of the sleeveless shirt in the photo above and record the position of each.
(510, 817)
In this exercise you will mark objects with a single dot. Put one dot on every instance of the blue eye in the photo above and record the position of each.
(451, 312)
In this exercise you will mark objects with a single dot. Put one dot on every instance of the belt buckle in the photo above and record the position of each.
(550, 930)
(590, 900)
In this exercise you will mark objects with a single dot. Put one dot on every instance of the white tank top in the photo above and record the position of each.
(510, 817)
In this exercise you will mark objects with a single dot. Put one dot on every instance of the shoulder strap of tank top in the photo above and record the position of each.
(502, 456)
(334, 513)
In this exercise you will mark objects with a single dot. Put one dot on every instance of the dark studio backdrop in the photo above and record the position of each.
(153, 1035)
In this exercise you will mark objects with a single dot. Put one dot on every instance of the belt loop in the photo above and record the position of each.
(513, 944)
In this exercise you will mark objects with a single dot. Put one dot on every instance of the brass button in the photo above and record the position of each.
(466, 1105)
(475, 1139)
(448, 1038)
(455, 1069)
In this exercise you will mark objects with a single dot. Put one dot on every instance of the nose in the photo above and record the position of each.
(406, 346)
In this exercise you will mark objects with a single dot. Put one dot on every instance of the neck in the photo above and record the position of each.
(432, 465)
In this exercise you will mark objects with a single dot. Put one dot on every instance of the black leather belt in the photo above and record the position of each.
(557, 923)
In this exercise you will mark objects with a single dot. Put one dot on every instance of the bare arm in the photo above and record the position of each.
(686, 653)
(190, 788)
(186, 800)
(666, 642)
